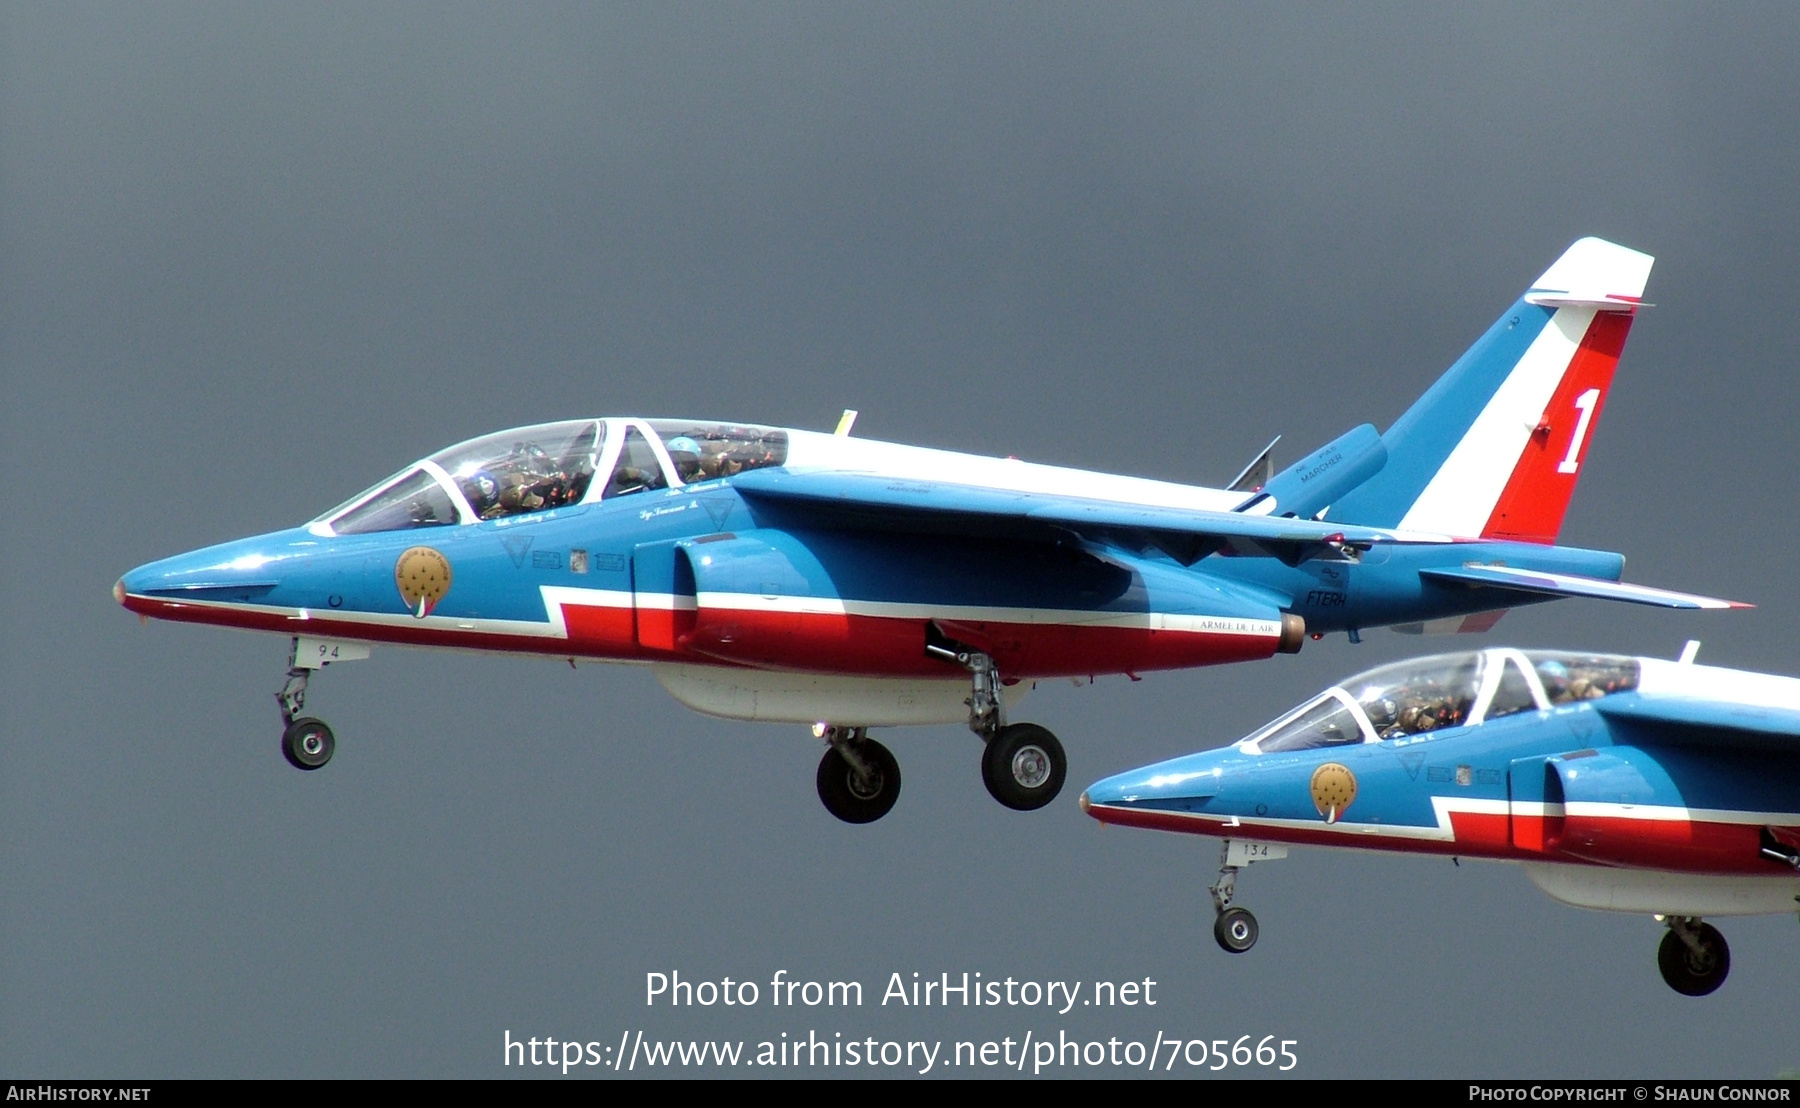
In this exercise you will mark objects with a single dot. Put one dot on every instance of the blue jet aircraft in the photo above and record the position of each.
(779, 574)
(1628, 784)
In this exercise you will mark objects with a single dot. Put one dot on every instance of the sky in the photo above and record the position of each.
(253, 258)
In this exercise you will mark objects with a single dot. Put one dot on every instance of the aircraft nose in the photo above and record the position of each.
(1102, 793)
(243, 570)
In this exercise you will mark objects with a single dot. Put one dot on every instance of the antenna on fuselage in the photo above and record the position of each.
(1689, 651)
(1254, 476)
(845, 422)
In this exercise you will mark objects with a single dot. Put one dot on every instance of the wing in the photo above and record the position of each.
(1698, 721)
(1566, 584)
(1187, 534)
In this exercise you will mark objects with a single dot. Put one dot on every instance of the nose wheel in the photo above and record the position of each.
(1235, 930)
(859, 779)
(307, 743)
(1693, 957)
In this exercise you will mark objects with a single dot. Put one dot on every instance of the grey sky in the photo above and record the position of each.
(252, 258)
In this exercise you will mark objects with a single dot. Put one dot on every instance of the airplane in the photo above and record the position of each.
(781, 574)
(1629, 784)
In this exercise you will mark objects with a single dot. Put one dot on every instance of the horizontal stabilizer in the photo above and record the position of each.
(875, 502)
(1564, 584)
(1593, 273)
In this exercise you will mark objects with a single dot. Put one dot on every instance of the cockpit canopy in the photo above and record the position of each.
(553, 465)
(1443, 691)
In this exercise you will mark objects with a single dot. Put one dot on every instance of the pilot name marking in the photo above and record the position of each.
(667, 510)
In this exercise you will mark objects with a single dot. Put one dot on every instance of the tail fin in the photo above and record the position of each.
(1494, 448)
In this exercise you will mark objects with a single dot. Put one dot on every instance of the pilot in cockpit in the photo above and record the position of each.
(1427, 707)
(684, 452)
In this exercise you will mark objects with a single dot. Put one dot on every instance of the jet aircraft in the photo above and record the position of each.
(781, 574)
(1620, 783)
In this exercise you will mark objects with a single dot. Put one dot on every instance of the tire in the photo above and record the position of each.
(1235, 930)
(307, 743)
(1023, 767)
(855, 800)
(1690, 973)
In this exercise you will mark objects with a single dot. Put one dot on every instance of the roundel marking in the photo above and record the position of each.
(1333, 790)
(423, 577)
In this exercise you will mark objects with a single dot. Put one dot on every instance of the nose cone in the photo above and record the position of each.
(1180, 784)
(241, 571)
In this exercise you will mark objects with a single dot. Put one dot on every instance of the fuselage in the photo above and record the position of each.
(636, 547)
(1513, 770)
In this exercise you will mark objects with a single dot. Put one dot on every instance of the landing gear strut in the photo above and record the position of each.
(1693, 957)
(1023, 764)
(859, 779)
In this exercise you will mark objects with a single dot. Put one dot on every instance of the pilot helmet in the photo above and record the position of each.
(1555, 676)
(481, 487)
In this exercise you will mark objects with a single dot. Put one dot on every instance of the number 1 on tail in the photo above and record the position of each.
(1585, 402)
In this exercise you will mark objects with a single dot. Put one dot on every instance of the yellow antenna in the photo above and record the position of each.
(845, 422)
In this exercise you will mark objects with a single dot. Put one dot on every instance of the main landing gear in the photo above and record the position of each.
(1023, 764)
(859, 779)
(307, 743)
(1693, 957)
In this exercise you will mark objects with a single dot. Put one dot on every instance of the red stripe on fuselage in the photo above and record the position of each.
(1531, 507)
(809, 642)
(892, 646)
(1689, 846)
(1696, 845)
(595, 632)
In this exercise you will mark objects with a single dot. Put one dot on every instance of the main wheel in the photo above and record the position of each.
(1694, 972)
(859, 797)
(307, 743)
(1023, 767)
(1235, 929)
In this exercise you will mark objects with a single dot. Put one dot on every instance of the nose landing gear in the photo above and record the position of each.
(1235, 929)
(307, 743)
(1693, 957)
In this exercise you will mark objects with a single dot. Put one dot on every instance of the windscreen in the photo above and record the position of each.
(529, 469)
(703, 451)
(1423, 694)
(1569, 677)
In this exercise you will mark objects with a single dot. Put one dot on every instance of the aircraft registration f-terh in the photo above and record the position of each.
(787, 575)
(1621, 783)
